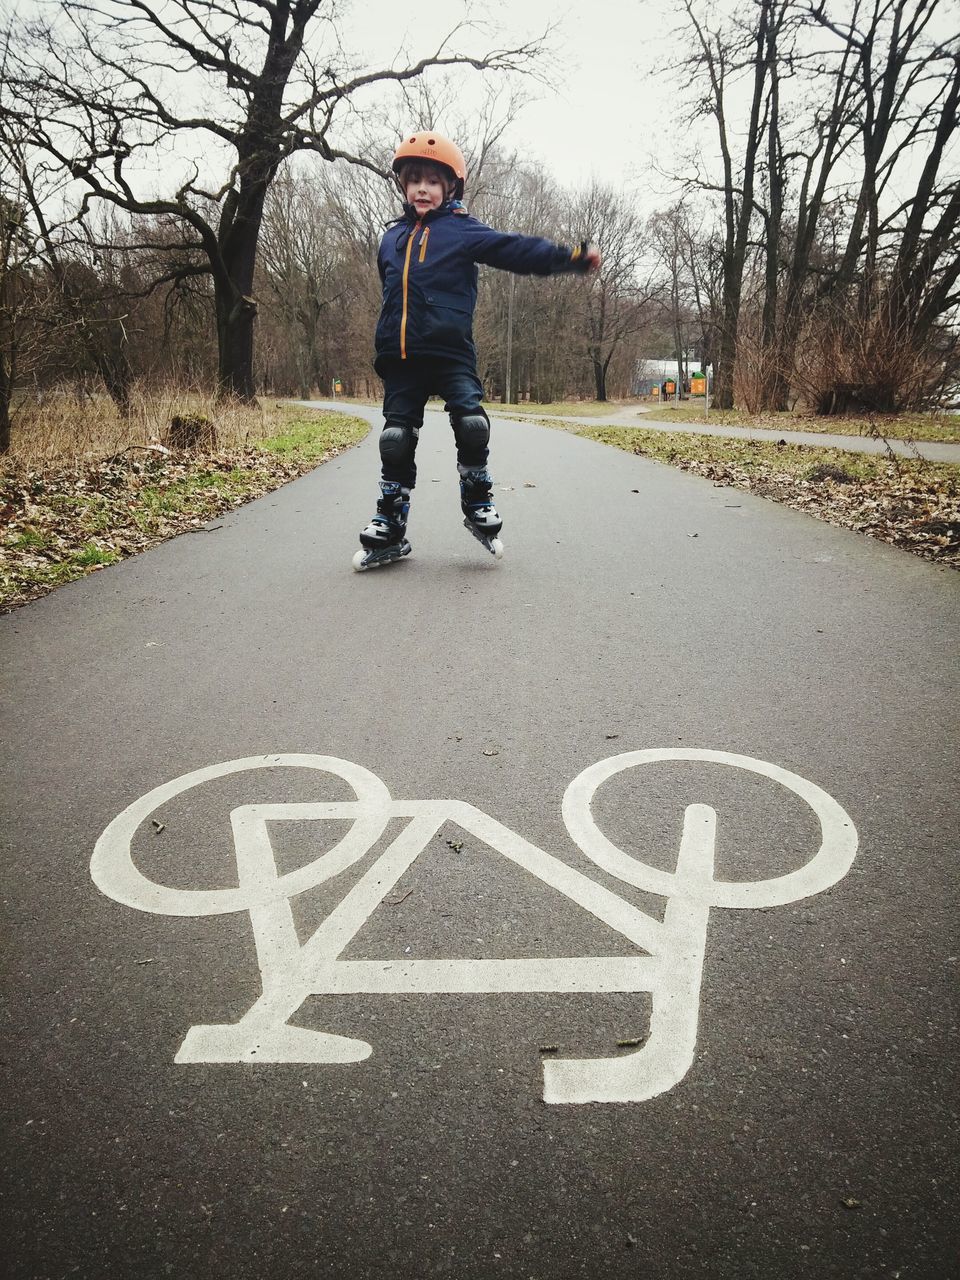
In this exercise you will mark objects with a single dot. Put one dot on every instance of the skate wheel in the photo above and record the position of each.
(357, 561)
(496, 546)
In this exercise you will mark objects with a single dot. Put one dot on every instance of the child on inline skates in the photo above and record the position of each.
(424, 345)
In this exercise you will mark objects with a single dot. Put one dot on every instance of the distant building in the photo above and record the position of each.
(651, 374)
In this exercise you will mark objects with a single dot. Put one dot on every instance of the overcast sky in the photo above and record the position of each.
(614, 110)
(619, 105)
(609, 111)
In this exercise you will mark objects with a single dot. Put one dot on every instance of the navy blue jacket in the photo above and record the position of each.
(428, 267)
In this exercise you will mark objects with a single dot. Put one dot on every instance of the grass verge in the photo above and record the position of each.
(907, 426)
(904, 426)
(911, 503)
(62, 520)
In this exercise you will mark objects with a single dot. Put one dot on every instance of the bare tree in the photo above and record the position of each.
(701, 252)
(102, 89)
(15, 252)
(665, 229)
(824, 129)
(721, 58)
(614, 301)
(836, 121)
(15, 255)
(19, 259)
(774, 178)
(521, 334)
(298, 262)
(896, 279)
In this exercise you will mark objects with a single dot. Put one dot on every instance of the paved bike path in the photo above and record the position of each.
(813, 1132)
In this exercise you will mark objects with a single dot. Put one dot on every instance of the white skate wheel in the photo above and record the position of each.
(496, 546)
(357, 561)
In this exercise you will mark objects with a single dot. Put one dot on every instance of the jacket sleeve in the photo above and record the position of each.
(524, 255)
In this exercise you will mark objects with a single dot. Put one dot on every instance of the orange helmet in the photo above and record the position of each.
(430, 145)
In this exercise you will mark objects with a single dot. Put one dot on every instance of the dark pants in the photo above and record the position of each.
(407, 385)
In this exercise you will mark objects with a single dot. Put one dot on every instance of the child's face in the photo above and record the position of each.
(425, 190)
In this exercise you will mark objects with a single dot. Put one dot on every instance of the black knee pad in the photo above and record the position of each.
(398, 447)
(398, 444)
(472, 433)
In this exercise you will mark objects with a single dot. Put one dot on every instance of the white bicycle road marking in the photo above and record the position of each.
(292, 971)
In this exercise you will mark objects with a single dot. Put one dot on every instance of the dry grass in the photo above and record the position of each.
(64, 428)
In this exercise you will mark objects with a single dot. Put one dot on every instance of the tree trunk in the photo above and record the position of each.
(781, 359)
(306, 361)
(117, 378)
(678, 333)
(727, 352)
(600, 377)
(235, 317)
(771, 375)
(738, 228)
(6, 392)
(236, 307)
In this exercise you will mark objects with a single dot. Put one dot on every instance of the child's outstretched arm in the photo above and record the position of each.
(528, 255)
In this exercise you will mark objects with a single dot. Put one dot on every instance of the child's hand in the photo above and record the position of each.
(591, 255)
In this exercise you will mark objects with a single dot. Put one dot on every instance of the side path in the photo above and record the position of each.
(932, 450)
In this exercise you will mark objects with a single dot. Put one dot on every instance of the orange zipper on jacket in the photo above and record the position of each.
(423, 243)
(406, 274)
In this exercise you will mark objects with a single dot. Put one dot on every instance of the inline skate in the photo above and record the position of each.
(385, 537)
(481, 516)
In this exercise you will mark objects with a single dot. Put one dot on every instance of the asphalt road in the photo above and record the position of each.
(785, 1054)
